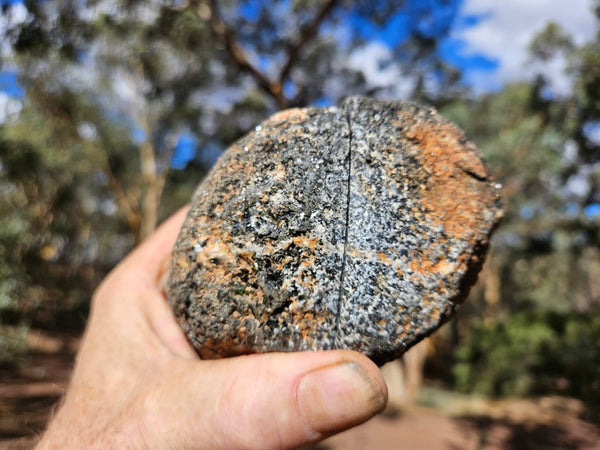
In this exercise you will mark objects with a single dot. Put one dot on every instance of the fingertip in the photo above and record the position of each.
(166, 233)
(287, 399)
(154, 253)
(339, 396)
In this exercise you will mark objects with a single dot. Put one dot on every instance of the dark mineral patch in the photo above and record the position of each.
(361, 227)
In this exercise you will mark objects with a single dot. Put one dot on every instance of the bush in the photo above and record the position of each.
(529, 354)
(12, 345)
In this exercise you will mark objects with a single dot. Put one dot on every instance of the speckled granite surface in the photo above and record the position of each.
(359, 227)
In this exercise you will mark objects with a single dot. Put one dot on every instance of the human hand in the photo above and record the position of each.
(138, 383)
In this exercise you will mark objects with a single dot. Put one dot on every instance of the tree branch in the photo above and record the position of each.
(236, 52)
(131, 216)
(154, 183)
(274, 88)
(308, 34)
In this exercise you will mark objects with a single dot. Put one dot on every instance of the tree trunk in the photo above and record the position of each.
(153, 183)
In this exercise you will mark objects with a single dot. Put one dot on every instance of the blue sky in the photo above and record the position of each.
(10, 84)
(502, 31)
(488, 41)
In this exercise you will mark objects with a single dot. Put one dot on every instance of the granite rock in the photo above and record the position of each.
(361, 227)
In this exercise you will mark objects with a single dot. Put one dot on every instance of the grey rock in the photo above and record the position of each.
(361, 227)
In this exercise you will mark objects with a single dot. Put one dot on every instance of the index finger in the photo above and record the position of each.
(153, 255)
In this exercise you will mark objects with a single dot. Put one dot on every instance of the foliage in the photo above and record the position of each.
(12, 345)
(545, 252)
(531, 354)
(550, 40)
(531, 325)
(112, 89)
(127, 104)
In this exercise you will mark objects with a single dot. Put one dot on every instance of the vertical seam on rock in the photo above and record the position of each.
(346, 233)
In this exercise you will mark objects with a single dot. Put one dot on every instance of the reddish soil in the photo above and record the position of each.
(29, 395)
(426, 428)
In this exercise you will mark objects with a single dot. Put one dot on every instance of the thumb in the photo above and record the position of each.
(274, 400)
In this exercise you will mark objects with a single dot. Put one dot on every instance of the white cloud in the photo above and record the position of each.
(14, 16)
(379, 67)
(373, 60)
(87, 130)
(508, 28)
(578, 185)
(9, 107)
(125, 88)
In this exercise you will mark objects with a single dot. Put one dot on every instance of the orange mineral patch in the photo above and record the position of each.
(289, 245)
(446, 200)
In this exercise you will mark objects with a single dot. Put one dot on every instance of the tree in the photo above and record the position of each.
(146, 65)
(538, 306)
(119, 93)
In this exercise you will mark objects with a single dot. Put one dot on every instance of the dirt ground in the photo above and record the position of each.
(441, 420)
(428, 428)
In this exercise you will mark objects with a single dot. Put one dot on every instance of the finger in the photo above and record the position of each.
(134, 282)
(266, 401)
(152, 256)
(166, 328)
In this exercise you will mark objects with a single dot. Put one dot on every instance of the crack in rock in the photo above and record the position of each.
(361, 227)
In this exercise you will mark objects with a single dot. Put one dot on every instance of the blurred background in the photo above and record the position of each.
(112, 111)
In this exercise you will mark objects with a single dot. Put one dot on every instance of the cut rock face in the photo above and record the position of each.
(361, 227)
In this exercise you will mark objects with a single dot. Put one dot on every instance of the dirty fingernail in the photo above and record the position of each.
(340, 396)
